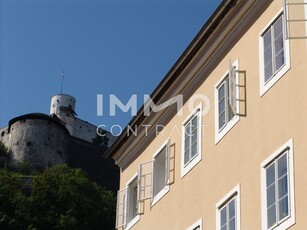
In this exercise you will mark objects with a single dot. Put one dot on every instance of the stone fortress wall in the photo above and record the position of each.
(37, 139)
(46, 140)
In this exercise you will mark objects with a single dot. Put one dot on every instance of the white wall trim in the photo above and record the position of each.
(291, 220)
(219, 134)
(264, 87)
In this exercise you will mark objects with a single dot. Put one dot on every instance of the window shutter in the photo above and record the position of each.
(232, 88)
(121, 208)
(145, 186)
(167, 162)
(295, 17)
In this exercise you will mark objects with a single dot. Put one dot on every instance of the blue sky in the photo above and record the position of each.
(120, 47)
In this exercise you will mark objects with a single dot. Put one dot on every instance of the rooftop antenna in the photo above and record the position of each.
(62, 81)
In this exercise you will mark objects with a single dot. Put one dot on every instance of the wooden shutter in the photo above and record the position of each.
(145, 181)
(232, 88)
(121, 208)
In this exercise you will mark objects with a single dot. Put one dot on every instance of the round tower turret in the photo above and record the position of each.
(63, 105)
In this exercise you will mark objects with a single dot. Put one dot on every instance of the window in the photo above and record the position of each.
(278, 189)
(228, 216)
(154, 175)
(191, 141)
(196, 226)
(127, 205)
(225, 113)
(226, 102)
(274, 54)
(228, 211)
(161, 171)
(132, 200)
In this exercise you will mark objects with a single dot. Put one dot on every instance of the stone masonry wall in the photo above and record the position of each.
(37, 141)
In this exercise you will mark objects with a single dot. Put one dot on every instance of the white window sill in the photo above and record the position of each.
(132, 222)
(160, 194)
(221, 133)
(264, 87)
(187, 168)
(287, 223)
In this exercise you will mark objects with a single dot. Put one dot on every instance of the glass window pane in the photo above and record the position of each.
(282, 165)
(222, 106)
(271, 195)
(267, 39)
(279, 44)
(268, 71)
(271, 216)
(224, 227)
(222, 120)
(223, 216)
(278, 28)
(187, 129)
(283, 208)
(231, 208)
(282, 186)
(187, 144)
(194, 150)
(270, 175)
(268, 55)
(232, 224)
(279, 60)
(186, 157)
(194, 123)
(267, 47)
(159, 171)
(221, 92)
(194, 136)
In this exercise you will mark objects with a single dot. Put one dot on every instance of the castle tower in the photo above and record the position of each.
(63, 106)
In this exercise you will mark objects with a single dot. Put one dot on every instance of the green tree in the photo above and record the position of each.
(12, 200)
(64, 198)
(59, 198)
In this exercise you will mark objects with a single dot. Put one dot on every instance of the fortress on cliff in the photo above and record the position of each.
(61, 137)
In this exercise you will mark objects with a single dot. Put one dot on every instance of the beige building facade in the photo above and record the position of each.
(232, 155)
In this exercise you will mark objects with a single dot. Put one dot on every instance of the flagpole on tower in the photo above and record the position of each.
(62, 81)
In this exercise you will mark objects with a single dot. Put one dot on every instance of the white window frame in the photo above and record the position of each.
(289, 221)
(198, 223)
(137, 217)
(265, 86)
(165, 189)
(220, 133)
(234, 193)
(194, 161)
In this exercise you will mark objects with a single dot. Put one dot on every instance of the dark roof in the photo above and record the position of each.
(39, 116)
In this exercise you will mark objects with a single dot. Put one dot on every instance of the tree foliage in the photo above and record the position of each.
(59, 198)
(3, 149)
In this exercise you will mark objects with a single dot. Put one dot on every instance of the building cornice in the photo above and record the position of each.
(227, 24)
